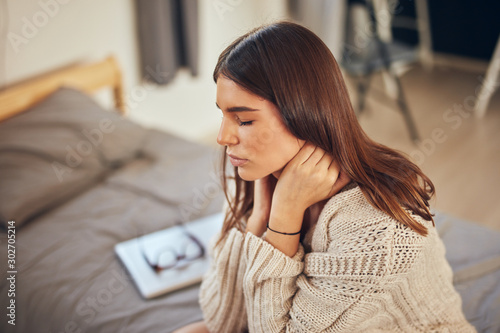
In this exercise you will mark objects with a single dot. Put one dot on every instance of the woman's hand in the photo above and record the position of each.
(310, 177)
(263, 193)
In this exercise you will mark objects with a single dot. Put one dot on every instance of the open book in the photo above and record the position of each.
(169, 259)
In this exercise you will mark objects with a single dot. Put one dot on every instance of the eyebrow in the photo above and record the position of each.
(238, 108)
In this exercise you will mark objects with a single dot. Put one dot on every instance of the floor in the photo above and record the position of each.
(460, 153)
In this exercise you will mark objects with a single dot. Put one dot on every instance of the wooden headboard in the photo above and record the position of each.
(87, 78)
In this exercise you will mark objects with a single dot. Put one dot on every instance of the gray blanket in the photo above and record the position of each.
(68, 277)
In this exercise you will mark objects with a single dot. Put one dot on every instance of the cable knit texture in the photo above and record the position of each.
(357, 270)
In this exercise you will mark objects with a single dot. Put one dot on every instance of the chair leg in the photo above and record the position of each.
(490, 83)
(384, 55)
(363, 85)
(403, 106)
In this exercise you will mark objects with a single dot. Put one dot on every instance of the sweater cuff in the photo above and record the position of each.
(267, 262)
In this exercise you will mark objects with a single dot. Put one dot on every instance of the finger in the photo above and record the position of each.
(325, 161)
(304, 153)
(334, 166)
(316, 156)
(320, 155)
(342, 180)
(334, 172)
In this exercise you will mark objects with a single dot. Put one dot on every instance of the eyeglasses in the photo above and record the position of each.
(188, 249)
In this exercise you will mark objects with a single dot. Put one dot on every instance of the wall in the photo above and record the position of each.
(41, 35)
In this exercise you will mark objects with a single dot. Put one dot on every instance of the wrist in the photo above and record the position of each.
(286, 219)
(284, 229)
(283, 233)
(256, 224)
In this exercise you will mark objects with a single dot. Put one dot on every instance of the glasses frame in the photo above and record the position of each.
(179, 256)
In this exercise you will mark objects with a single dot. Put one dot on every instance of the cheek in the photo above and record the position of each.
(287, 148)
(274, 147)
(259, 141)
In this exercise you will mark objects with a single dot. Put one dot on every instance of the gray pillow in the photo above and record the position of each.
(57, 149)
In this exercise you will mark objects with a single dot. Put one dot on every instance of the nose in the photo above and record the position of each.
(227, 134)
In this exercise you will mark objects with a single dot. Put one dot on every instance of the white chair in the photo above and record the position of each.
(369, 47)
(490, 83)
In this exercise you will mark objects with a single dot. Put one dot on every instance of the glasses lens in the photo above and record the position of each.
(193, 250)
(167, 259)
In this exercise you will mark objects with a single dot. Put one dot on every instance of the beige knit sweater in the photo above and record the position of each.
(357, 270)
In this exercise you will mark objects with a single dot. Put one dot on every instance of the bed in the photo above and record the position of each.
(76, 179)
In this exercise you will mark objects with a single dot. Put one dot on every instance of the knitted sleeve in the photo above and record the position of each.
(221, 292)
(284, 295)
(382, 280)
(365, 272)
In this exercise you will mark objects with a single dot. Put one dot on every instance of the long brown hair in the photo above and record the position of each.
(290, 66)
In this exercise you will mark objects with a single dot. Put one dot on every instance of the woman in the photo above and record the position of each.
(326, 230)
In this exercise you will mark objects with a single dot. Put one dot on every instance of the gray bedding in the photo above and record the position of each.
(136, 181)
(68, 277)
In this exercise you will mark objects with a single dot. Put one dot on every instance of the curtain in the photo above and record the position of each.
(168, 38)
(326, 18)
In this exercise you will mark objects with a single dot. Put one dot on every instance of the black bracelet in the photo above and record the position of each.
(283, 233)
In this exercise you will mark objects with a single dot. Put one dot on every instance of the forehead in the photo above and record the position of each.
(230, 93)
(233, 98)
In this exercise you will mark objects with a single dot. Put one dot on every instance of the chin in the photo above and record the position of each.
(248, 176)
(252, 176)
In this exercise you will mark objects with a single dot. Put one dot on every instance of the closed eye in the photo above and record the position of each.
(245, 123)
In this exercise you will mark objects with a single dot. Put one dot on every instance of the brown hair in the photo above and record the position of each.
(290, 66)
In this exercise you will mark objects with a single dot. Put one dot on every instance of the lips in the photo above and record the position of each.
(236, 161)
